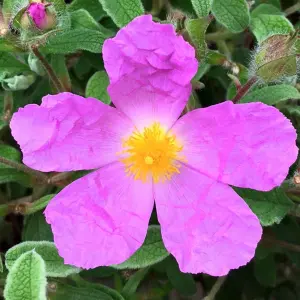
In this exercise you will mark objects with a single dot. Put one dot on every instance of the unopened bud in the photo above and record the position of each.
(40, 15)
(18, 82)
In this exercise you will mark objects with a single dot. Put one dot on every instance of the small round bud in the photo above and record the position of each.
(18, 82)
(39, 15)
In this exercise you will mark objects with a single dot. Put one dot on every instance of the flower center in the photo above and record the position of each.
(153, 152)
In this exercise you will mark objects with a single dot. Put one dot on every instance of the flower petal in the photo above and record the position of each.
(143, 105)
(100, 219)
(247, 145)
(151, 53)
(205, 224)
(68, 132)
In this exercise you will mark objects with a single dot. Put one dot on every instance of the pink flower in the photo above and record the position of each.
(145, 154)
(37, 12)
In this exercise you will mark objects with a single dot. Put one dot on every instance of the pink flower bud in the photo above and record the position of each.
(40, 15)
(37, 12)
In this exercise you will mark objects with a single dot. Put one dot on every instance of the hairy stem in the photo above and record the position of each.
(292, 9)
(56, 82)
(244, 89)
(39, 175)
(271, 241)
(215, 289)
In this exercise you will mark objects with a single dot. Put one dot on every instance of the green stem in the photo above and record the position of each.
(270, 241)
(59, 177)
(292, 9)
(55, 80)
(244, 89)
(215, 289)
(39, 175)
(219, 36)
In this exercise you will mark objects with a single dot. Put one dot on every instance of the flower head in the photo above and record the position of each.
(145, 153)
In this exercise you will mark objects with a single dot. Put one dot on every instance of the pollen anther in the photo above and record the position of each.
(152, 153)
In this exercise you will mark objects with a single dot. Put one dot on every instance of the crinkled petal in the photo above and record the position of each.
(102, 218)
(145, 106)
(68, 132)
(153, 54)
(247, 145)
(205, 224)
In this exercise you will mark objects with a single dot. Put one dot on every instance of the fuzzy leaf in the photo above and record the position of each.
(265, 271)
(74, 40)
(82, 19)
(97, 87)
(202, 7)
(65, 292)
(39, 204)
(122, 11)
(27, 278)
(270, 207)
(264, 26)
(151, 252)
(196, 29)
(9, 153)
(55, 266)
(92, 6)
(59, 66)
(36, 228)
(133, 283)
(272, 94)
(11, 65)
(265, 9)
(183, 282)
(233, 14)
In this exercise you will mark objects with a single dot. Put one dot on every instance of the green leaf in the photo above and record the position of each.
(59, 5)
(55, 266)
(9, 153)
(123, 11)
(133, 283)
(196, 29)
(36, 228)
(66, 292)
(202, 7)
(27, 278)
(270, 207)
(183, 282)
(275, 3)
(100, 287)
(265, 270)
(59, 66)
(233, 14)
(151, 252)
(7, 46)
(82, 19)
(11, 65)
(97, 87)
(100, 272)
(92, 6)
(74, 40)
(39, 204)
(264, 26)
(265, 9)
(272, 94)
(12, 175)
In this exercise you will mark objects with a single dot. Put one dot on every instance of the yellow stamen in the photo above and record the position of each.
(149, 160)
(152, 153)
